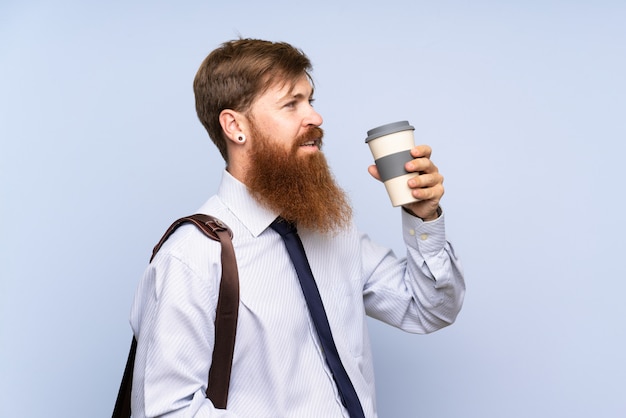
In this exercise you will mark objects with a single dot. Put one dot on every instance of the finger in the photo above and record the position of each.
(425, 180)
(421, 165)
(433, 194)
(420, 151)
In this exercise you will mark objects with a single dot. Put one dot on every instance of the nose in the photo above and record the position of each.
(313, 118)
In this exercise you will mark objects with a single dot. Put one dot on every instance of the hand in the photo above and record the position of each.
(427, 185)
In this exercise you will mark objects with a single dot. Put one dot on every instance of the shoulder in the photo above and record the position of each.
(188, 243)
(189, 248)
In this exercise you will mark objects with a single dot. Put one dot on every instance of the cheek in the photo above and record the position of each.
(280, 130)
(284, 133)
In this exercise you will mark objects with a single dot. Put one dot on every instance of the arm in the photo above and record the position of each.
(425, 291)
(173, 319)
(420, 293)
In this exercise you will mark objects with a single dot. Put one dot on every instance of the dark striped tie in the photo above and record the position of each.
(316, 308)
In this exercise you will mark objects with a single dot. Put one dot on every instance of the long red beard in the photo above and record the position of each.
(300, 188)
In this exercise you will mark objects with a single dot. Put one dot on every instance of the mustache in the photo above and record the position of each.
(314, 133)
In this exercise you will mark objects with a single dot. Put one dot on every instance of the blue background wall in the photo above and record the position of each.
(524, 105)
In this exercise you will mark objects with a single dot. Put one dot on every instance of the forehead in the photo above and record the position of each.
(283, 89)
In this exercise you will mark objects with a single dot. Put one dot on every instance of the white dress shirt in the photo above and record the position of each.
(278, 367)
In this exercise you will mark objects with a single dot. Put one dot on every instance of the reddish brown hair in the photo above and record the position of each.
(236, 73)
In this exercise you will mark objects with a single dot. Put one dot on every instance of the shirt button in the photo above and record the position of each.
(424, 237)
(411, 232)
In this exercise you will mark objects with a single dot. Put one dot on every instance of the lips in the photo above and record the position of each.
(311, 138)
(311, 143)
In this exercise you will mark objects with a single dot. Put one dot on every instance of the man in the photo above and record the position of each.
(254, 98)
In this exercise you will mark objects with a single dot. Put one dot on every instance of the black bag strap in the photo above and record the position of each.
(225, 318)
(122, 404)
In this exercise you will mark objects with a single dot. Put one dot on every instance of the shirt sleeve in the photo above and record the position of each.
(423, 291)
(172, 318)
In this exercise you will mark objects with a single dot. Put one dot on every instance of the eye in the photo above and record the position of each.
(290, 104)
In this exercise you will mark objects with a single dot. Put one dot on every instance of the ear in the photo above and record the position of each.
(233, 124)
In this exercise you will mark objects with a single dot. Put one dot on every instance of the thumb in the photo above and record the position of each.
(373, 170)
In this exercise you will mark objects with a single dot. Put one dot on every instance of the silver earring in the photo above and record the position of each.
(241, 138)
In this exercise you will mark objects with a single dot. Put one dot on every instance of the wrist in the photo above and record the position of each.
(435, 215)
(431, 217)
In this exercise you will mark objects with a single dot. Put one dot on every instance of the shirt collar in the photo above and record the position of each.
(235, 195)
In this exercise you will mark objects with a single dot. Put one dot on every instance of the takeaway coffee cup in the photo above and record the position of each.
(391, 147)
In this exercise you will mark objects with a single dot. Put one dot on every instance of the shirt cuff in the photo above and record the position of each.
(429, 238)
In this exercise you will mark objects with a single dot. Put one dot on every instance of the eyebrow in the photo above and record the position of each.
(297, 96)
